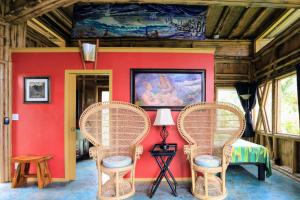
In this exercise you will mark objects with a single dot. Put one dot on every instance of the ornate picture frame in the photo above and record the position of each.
(166, 88)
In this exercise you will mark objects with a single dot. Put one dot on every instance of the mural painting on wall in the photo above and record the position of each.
(139, 20)
(167, 88)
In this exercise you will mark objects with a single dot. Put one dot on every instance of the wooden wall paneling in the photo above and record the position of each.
(286, 50)
(286, 154)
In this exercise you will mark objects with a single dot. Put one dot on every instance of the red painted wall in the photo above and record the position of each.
(40, 129)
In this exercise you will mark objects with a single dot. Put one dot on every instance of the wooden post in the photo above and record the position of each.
(14, 36)
(81, 53)
(96, 53)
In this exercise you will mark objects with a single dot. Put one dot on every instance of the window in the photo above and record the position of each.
(288, 116)
(229, 95)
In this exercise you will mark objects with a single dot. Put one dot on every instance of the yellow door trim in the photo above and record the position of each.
(69, 116)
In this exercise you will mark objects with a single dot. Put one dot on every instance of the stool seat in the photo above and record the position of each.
(207, 161)
(117, 161)
(22, 172)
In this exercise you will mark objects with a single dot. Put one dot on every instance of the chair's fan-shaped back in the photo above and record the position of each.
(211, 125)
(114, 126)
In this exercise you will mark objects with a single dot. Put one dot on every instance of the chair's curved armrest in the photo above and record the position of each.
(189, 150)
(97, 153)
(227, 154)
(138, 151)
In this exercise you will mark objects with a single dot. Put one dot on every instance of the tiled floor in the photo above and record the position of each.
(242, 185)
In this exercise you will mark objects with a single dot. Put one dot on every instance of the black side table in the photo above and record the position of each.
(163, 158)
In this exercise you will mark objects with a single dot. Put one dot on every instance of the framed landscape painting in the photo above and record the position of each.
(36, 89)
(167, 88)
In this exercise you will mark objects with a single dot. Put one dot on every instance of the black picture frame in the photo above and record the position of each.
(195, 77)
(37, 89)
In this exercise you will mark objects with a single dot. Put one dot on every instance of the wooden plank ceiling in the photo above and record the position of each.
(227, 19)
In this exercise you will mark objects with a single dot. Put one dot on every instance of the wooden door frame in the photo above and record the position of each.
(69, 117)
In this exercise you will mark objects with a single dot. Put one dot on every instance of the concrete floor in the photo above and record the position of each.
(242, 184)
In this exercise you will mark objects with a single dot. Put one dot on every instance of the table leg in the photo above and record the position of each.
(167, 171)
(164, 167)
(261, 171)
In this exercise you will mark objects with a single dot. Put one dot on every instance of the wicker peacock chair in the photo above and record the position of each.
(116, 130)
(210, 129)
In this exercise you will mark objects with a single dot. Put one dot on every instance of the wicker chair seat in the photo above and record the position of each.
(208, 161)
(117, 161)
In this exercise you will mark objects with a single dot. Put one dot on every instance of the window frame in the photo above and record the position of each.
(277, 105)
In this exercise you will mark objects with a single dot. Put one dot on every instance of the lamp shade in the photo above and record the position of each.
(245, 96)
(163, 117)
(89, 51)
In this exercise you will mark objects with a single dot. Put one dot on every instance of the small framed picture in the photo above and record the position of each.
(37, 89)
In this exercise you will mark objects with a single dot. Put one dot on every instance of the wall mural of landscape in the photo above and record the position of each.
(139, 20)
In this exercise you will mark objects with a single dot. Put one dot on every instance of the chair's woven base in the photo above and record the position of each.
(125, 186)
(109, 188)
(214, 188)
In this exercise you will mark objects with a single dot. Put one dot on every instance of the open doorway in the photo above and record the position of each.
(82, 89)
(90, 89)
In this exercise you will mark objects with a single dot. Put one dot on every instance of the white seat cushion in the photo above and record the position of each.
(208, 161)
(117, 161)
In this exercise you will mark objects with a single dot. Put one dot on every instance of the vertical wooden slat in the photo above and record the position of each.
(15, 36)
(2, 179)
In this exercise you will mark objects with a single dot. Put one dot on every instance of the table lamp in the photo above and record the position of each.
(163, 118)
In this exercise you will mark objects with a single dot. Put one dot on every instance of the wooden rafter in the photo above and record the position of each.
(60, 24)
(212, 17)
(231, 19)
(64, 18)
(265, 14)
(27, 12)
(244, 22)
(221, 22)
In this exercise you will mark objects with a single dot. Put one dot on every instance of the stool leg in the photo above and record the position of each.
(40, 174)
(17, 176)
(48, 178)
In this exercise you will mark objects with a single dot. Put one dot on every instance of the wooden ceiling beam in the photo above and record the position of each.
(28, 11)
(221, 21)
(212, 17)
(265, 14)
(63, 17)
(245, 3)
(61, 25)
(244, 22)
(231, 19)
